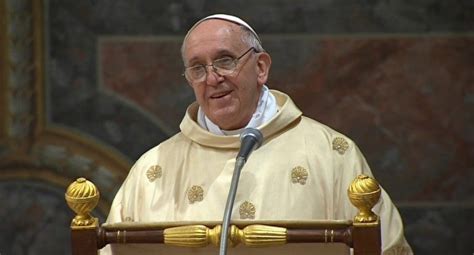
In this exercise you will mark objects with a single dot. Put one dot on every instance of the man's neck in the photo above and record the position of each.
(265, 110)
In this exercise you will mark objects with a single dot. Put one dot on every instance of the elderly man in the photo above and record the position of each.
(301, 172)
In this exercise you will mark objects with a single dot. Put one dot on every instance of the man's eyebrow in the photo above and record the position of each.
(192, 61)
(224, 52)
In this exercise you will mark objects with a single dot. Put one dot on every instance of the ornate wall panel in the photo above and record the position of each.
(39, 159)
(88, 86)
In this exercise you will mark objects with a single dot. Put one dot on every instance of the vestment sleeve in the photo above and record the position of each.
(121, 203)
(125, 204)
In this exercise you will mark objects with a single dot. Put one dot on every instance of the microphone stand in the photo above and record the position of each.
(251, 139)
(240, 161)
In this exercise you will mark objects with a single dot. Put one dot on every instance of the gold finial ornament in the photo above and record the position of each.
(82, 197)
(364, 193)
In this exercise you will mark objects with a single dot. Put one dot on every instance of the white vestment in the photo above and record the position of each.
(301, 172)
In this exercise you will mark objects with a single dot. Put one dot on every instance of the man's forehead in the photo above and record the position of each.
(215, 33)
(212, 39)
(213, 25)
(209, 29)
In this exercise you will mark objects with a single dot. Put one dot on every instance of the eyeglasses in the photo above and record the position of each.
(223, 66)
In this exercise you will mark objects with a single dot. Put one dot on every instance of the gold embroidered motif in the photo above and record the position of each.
(195, 194)
(153, 173)
(247, 210)
(128, 219)
(340, 145)
(299, 175)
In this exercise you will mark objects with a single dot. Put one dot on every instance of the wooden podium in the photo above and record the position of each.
(362, 233)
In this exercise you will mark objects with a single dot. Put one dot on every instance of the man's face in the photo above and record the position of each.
(229, 101)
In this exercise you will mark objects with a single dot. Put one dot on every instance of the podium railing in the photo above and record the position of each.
(362, 233)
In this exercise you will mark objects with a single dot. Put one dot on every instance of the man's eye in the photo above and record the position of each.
(196, 67)
(224, 62)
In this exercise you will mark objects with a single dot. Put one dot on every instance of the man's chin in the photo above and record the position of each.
(224, 121)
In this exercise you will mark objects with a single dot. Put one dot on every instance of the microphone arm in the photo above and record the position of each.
(229, 205)
(250, 139)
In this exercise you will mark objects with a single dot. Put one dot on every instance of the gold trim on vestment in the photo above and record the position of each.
(299, 175)
(340, 145)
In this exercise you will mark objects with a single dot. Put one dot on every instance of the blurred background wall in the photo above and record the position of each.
(88, 86)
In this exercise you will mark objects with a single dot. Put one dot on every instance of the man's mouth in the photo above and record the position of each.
(220, 94)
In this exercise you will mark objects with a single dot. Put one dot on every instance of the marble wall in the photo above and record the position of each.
(395, 76)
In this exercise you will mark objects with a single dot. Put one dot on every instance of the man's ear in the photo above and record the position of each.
(264, 62)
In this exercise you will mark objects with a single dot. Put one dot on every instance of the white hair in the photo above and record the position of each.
(248, 37)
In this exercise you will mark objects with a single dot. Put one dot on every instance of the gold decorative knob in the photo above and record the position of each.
(258, 235)
(364, 193)
(192, 236)
(82, 197)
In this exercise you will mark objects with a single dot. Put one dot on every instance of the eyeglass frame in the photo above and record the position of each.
(215, 69)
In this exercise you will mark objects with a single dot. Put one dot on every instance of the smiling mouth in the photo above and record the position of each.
(220, 95)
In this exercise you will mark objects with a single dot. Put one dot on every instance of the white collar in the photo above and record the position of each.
(266, 109)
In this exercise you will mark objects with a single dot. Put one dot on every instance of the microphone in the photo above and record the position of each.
(250, 139)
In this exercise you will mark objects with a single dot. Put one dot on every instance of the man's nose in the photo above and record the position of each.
(212, 77)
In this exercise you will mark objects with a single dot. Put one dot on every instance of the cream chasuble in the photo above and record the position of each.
(301, 172)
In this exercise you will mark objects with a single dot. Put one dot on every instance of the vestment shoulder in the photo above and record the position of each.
(338, 141)
(154, 155)
(165, 146)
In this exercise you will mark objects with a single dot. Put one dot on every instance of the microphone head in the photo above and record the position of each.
(252, 133)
